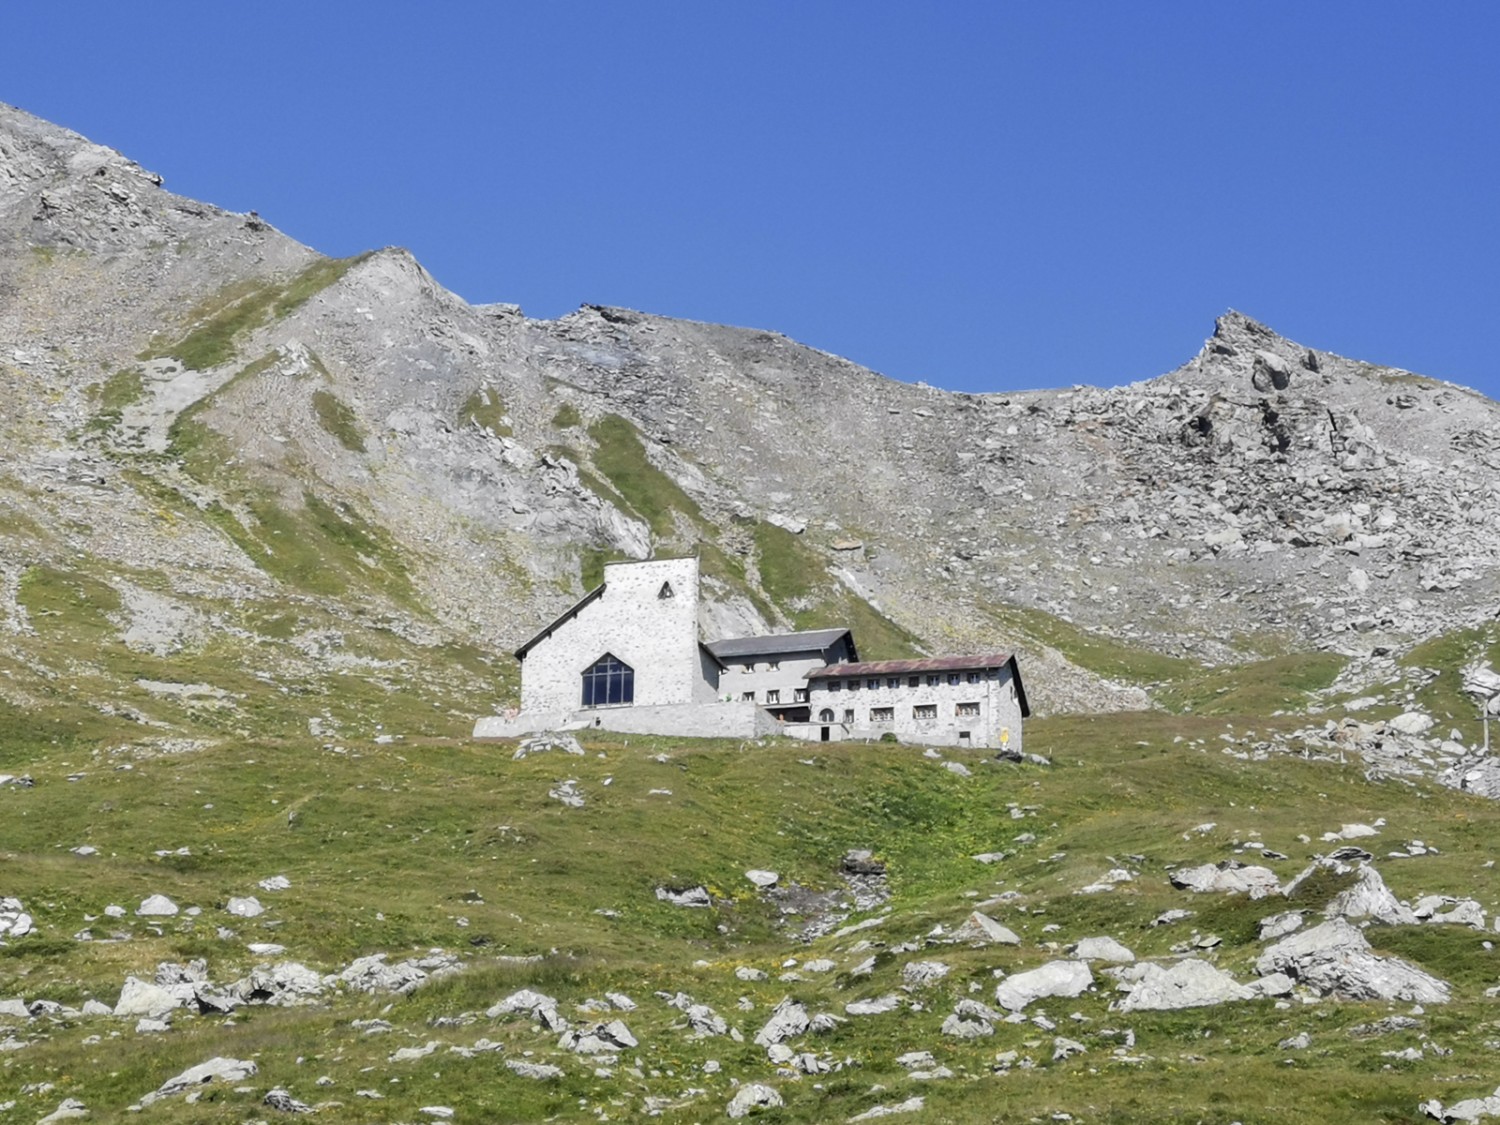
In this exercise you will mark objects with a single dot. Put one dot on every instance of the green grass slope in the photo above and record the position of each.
(429, 841)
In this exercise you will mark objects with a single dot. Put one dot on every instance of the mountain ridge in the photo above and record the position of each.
(1219, 511)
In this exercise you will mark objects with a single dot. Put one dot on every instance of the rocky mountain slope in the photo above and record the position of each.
(269, 522)
(209, 419)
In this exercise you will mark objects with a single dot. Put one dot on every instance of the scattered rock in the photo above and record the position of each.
(789, 1019)
(876, 1007)
(1102, 949)
(688, 896)
(282, 1101)
(248, 907)
(1369, 897)
(14, 921)
(980, 929)
(217, 1069)
(910, 1105)
(763, 879)
(157, 906)
(1335, 959)
(862, 862)
(69, 1108)
(542, 743)
(919, 974)
(537, 1071)
(600, 1039)
(1228, 877)
(752, 1097)
(1187, 984)
(1056, 978)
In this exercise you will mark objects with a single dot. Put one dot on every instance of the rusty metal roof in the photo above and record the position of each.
(902, 667)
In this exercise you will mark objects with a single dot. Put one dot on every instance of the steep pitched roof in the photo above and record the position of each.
(934, 664)
(571, 612)
(815, 640)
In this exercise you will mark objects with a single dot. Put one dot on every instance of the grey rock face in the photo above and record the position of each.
(752, 1097)
(218, 1069)
(688, 896)
(981, 929)
(1228, 877)
(1056, 978)
(1370, 898)
(788, 1020)
(1335, 959)
(1187, 984)
(1103, 949)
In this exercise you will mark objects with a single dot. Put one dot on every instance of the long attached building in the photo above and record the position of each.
(947, 701)
(627, 657)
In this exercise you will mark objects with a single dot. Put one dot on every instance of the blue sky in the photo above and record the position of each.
(984, 196)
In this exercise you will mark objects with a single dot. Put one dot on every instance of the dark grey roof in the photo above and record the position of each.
(816, 640)
(597, 591)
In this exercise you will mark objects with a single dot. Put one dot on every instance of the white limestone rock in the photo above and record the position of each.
(1412, 723)
(788, 1019)
(751, 1097)
(542, 743)
(919, 974)
(1190, 983)
(879, 1006)
(1056, 978)
(1369, 897)
(246, 907)
(1279, 925)
(690, 896)
(68, 1109)
(1103, 949)
(601, 1039)
(763, 879)
(1228, 877)
(157, 906)
(536, 1071)
(1335, 959)
(981, 929)
(140, 998)
(217, 1069)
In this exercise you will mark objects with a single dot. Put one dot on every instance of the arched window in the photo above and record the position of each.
(825, 716)
(608, 681)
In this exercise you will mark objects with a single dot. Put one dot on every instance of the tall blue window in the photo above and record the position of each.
(608, 681)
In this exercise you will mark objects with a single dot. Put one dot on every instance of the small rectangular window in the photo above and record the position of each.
(872, 683)
(848, 714)
(747, 697)
(975, 677)
(932, 681)
(963, 736)
(953, 677)
(913, 681)
(835, 685)
(773, 696)
(924, 711)
(799, 695)
(967, 710)
(853, 685)
(882, 714)
(893, 682)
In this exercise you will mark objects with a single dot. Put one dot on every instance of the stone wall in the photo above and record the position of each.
(754, 674)
(656, 636)
(997, 724)
(683, 720)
